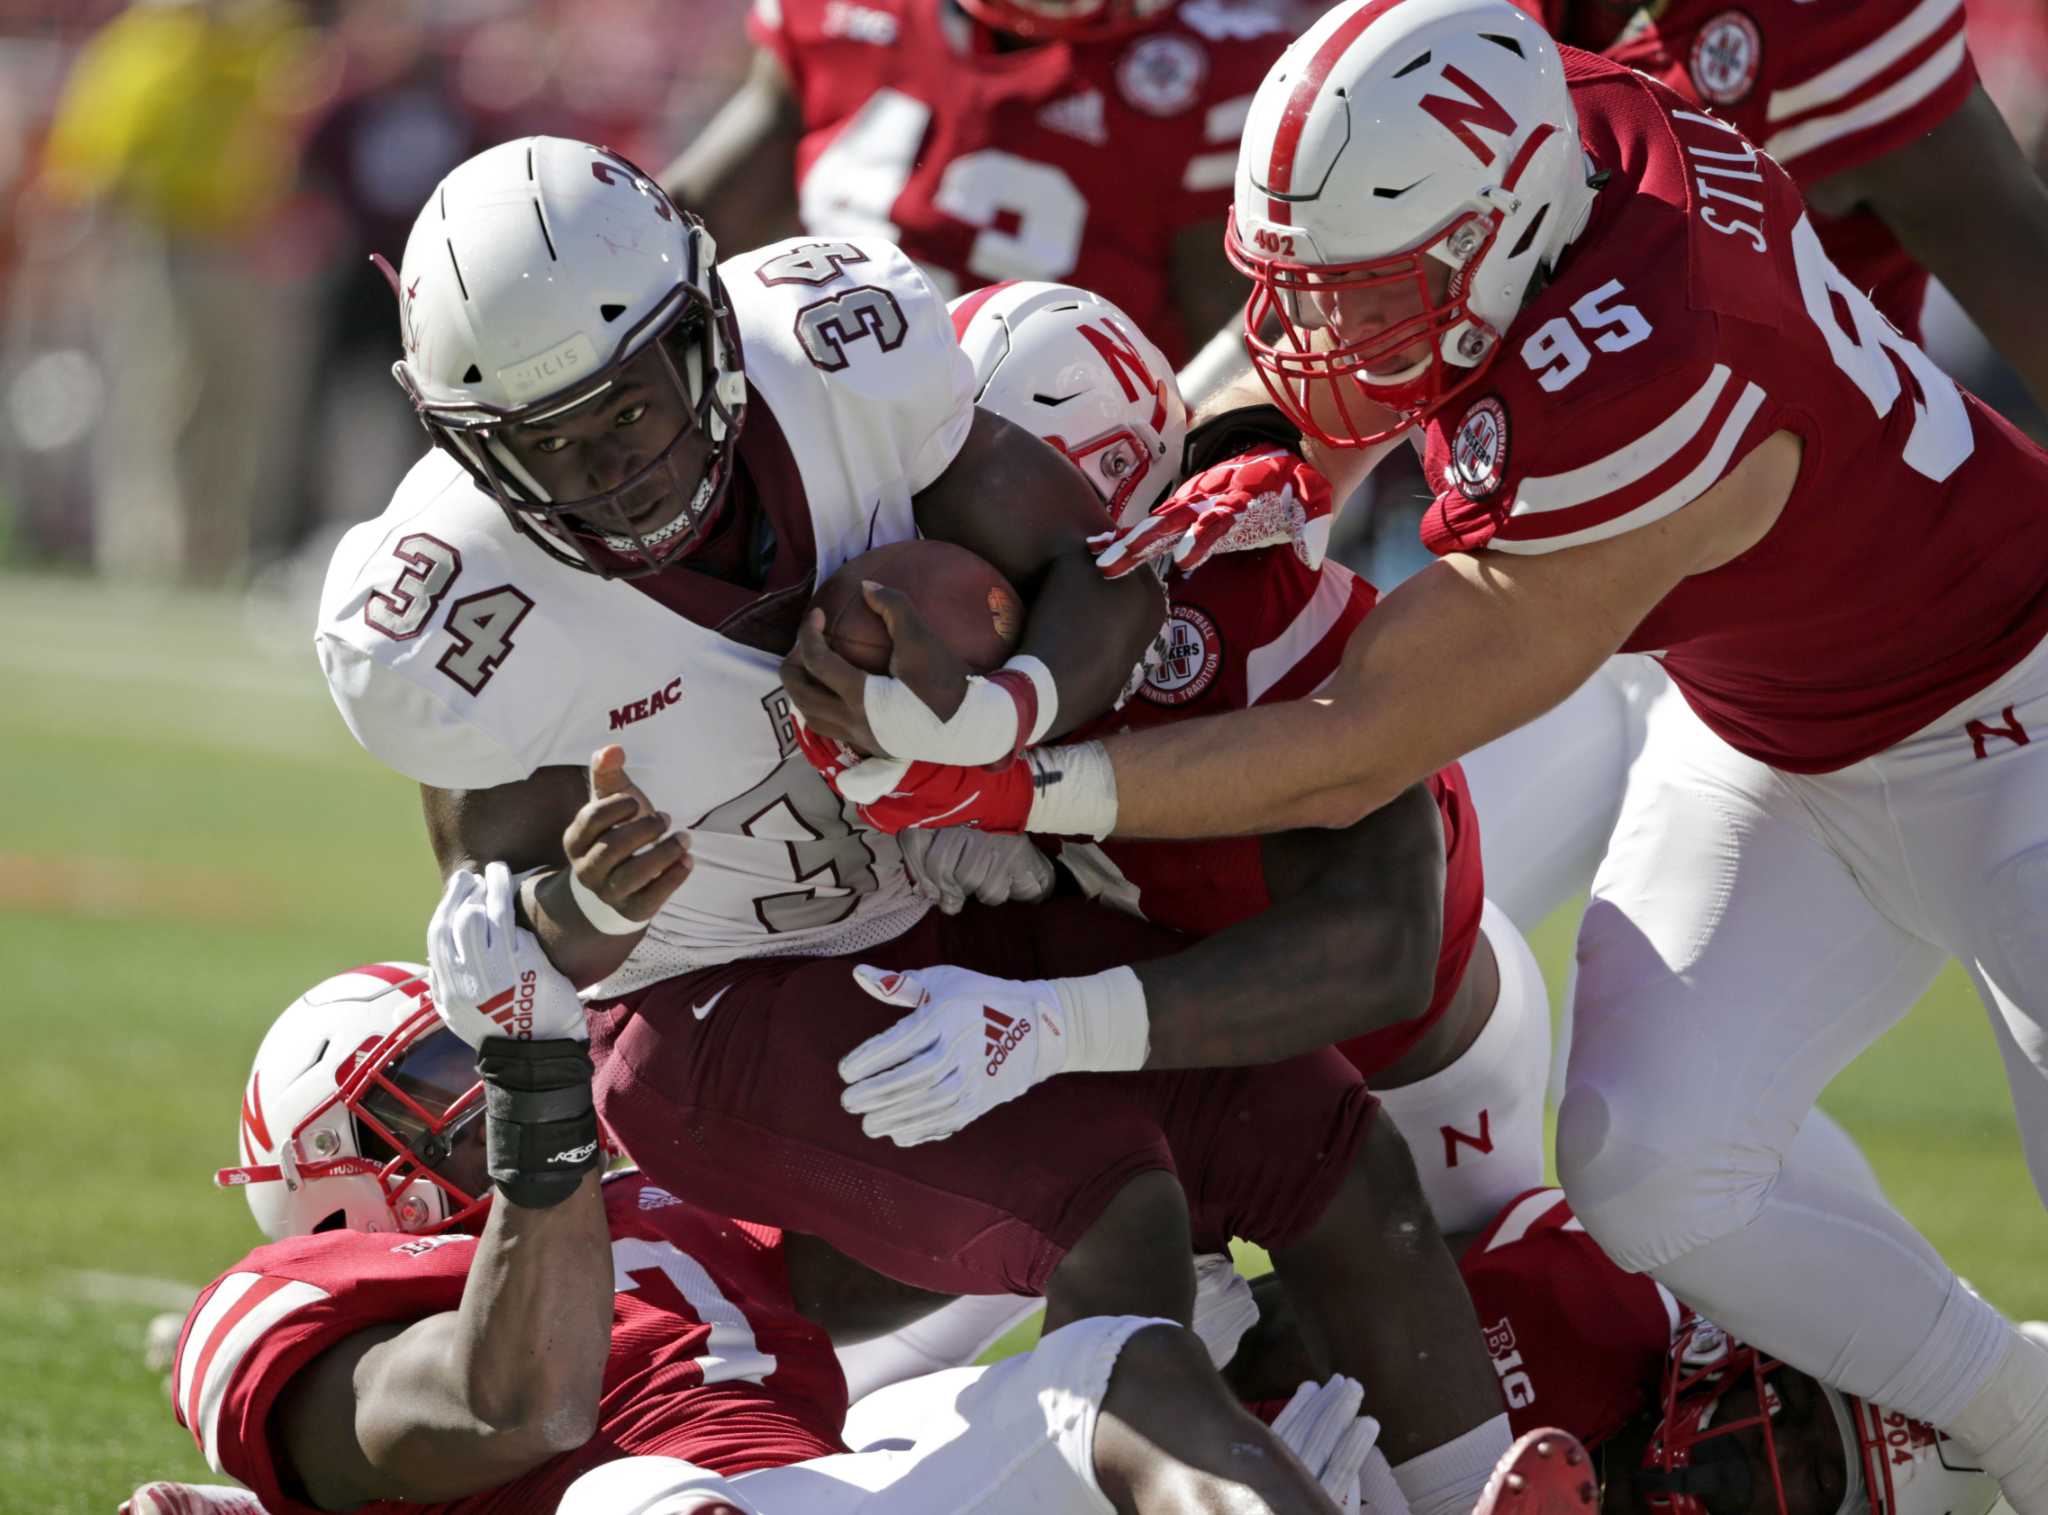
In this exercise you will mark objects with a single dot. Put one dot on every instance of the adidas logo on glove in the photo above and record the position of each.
(514, 1015)
(1003, 1033)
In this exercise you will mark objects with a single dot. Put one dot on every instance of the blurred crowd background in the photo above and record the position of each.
(194, 347)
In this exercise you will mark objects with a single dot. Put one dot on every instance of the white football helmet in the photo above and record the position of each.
(1393, 141)
(1073, 369)
(357, 1093)
(535, 271)
(1896, 1466)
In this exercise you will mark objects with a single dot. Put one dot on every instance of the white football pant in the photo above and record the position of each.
(1475, 1128)
(952, 1336)
(1547, 793)
(970, 1441)
(1751, 932)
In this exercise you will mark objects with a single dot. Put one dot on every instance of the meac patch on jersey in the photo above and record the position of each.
(463, 656)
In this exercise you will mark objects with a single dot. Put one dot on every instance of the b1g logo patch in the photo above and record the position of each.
(1727, 55)
(1162, 76)
(1189, 661)
(1479, 449)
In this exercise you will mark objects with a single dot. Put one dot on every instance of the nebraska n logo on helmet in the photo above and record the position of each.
(1410, 170)
(1074, 370)
(357, 1094)
(536, 272)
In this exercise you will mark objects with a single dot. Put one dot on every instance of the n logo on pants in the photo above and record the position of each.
(1454, 1139)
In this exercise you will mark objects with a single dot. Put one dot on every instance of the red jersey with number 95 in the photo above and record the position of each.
(1244, 629)
(1823, 86)
(1069, 162)
(709, 1359)
(1694, 317)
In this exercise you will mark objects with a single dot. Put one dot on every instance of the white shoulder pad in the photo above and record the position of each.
(852, 336)
(429, 638)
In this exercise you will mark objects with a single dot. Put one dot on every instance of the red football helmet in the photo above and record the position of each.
(1895, 1465)
(1067, 20)
(358, 1096)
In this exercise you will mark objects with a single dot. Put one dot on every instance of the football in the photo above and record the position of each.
(966, 602)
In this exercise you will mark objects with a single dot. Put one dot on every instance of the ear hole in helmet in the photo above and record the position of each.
(1529, 233)
(611, 312)
(472, 375)
(335, 1221)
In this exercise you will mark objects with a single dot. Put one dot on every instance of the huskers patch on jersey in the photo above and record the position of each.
(1727, 56)
(1163, 75)
(1479, 448)
(1192, 656)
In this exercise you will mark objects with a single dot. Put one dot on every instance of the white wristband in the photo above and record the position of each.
(1048, 694)
(1073, 791)
(601, 915)
(988, 727)
(1109, 1028)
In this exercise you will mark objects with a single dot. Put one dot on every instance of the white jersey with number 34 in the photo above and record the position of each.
(465, 657)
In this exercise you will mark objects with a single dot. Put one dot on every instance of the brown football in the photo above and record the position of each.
(966, 602)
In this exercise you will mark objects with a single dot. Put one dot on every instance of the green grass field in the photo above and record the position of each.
(190, 837)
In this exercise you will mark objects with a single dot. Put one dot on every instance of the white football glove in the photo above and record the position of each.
(961, 863)
(1224, 1307)
(970, 1043)
(488, 974)
(1321, 1425)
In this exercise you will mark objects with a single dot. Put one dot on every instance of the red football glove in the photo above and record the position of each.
(892, 795)
(1256, 500)
(828, 755)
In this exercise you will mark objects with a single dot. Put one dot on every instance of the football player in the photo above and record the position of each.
(1657, 419)
(1431, 992)
(615, 538)
(1876, 113)
(448, 1315)
(1088, 141)
(1682, 1420)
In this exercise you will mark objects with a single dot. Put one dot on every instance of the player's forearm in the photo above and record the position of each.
(1967, 204)
(585, 954)
(466, 1401)
(1287, 982)
(1090, 632)
(536, 1317)
(739, 171)
(1992, 283)
(1252, 772)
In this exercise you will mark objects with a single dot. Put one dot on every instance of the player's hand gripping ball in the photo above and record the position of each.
(902, 656)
